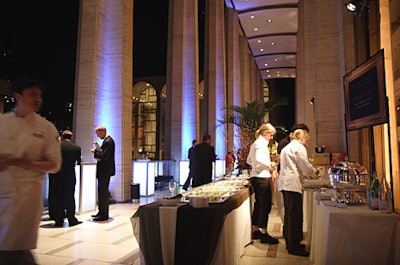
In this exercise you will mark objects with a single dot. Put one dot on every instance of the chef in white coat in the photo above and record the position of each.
(28, 149)
(294, 167)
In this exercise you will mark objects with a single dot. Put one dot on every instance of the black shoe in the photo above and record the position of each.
(257, 234)
(96, 215)
(99, 219)
(300, 252)
(57, 224)
(75, 223)
(265, 238)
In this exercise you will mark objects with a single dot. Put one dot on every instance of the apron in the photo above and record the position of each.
(21, 192)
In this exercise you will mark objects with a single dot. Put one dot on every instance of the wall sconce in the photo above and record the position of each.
(312, 100)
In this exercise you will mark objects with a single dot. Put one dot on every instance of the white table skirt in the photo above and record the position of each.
(308, 210)
(235, 235)
(355, 235)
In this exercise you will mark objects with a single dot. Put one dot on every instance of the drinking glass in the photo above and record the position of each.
(171, 186)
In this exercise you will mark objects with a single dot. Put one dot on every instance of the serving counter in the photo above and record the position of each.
(185, 235)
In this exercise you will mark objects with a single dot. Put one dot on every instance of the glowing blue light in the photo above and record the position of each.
(188, 118)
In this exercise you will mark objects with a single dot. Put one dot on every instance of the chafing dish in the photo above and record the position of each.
(350, 181)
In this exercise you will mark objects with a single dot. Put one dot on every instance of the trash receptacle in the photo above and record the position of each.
(135, 192)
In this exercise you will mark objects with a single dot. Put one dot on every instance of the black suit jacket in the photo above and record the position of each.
(204, 155)
(71, 155)
(105, 158)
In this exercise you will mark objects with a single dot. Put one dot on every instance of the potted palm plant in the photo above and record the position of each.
(246, 120)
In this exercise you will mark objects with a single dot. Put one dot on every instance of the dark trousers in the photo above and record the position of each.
(293, 226)
(188, 180)
(103, 196)
(263, 201)
(51, 201)
(64, 201)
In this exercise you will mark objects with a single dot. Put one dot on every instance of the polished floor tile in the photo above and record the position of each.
(112, 241)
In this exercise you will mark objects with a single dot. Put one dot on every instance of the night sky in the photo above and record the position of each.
(39, 40)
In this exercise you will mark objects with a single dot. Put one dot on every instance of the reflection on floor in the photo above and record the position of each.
(112, 242)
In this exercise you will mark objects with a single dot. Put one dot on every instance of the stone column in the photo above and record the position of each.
(320, 73)
(214, 73)
(244, 70)
(103, 89)
(182, 106)
(386, 44)
(233, 88)
(253, 78)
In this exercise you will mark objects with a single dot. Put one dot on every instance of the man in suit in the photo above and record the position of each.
(104, 155)
(204, 157)
(191, 165)
(63, 188)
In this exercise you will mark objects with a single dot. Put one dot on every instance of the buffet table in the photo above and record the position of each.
(353, 235)
(185, 235)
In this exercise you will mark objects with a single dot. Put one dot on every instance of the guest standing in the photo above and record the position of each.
(261, 168)
(204, 157)
(294, 164)
(29, 148)
(191, 165)
(229, 163)
(64, 181)
(104, 155)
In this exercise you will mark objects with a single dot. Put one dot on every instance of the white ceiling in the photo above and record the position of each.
(271, 28)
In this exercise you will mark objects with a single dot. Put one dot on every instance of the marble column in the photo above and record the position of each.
(182, 105)
(253, 78)
(214, 73)
(103, 89)
(392, 143)
(233, 90)
(321, 49)
(244, 70)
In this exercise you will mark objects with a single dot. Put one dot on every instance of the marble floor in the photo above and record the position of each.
(112, 242)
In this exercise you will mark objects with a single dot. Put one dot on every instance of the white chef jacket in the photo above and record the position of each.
(259, 158)
(294, 162)
(21, 194)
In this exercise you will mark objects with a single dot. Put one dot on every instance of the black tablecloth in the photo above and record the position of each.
(197, 230)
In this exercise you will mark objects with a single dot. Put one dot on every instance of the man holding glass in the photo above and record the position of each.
(104, 155)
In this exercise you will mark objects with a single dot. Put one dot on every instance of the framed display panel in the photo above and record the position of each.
(365, 94)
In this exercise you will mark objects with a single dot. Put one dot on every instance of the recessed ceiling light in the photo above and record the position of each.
(277, 72)
(267, 71)
(265, 64)
(273, 43)
(252, 16)
(261, 50)
(269, 20)
(259, 41)
(275, 60)
(278, 75)
(269, 75)
(255, 29)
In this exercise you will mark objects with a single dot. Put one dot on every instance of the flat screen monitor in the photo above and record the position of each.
(365, 94)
